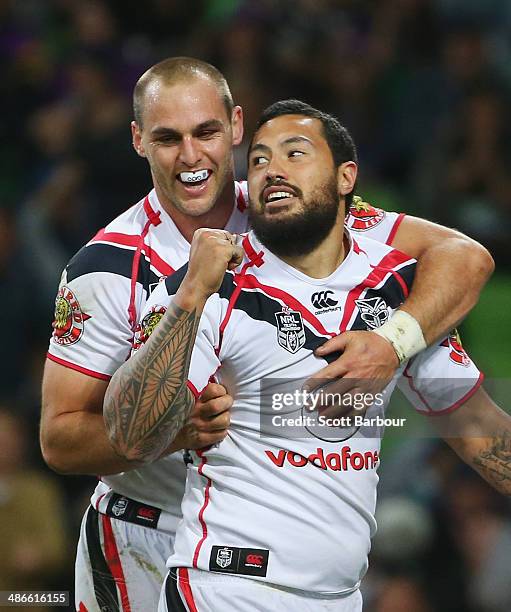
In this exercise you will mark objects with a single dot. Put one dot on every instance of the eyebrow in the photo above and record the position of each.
(294, 139)
(291, 140)
(215, 124)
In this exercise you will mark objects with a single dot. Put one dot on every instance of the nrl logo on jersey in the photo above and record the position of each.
(224, 557)
(363, 216)
(120, 506)
(69, 319)
(291, 333)
(146, 327)
(374, 311)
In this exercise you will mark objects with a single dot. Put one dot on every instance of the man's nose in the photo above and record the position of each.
(190, 153)
(275, 171)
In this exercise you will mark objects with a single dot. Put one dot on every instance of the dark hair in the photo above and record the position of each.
(338, 138)
(178, 69)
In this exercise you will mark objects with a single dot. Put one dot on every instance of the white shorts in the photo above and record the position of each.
(188, 590)
(120, 566)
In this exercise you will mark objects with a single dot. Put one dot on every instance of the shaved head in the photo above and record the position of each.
(179, 70)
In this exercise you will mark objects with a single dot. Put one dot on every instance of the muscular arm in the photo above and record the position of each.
(73, 435)
(451, 271)
(480, 433)
(147, 400)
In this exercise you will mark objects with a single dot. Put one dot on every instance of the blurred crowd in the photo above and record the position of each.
(423, 85)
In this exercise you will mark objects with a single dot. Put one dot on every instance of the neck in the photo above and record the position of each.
(216, 218)
(327, 256)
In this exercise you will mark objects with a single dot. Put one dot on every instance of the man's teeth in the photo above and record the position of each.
(193, 177)
(279, 195)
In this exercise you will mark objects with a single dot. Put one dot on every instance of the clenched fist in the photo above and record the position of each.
(212, 253)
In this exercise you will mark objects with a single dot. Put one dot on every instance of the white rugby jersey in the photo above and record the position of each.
(103, 290)
(295, 507)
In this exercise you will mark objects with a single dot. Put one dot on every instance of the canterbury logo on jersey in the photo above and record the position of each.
(324, 301)
(342, 461)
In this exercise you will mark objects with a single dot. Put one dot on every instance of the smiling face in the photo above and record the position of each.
(293, 184)
(187, 137)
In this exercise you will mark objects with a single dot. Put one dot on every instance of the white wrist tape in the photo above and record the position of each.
(404, 333)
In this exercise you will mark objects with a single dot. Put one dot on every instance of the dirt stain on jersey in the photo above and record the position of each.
(147, 566)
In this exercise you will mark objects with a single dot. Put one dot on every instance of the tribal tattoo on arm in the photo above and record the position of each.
(494, 463)
(148, 401)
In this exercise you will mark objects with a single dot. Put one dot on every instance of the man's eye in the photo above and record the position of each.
(258, 160)
(169, 140)
(296, 153)
(207, 134)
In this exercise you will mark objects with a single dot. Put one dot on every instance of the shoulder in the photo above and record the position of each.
(388, 265)
(111, 249)
(362, 216)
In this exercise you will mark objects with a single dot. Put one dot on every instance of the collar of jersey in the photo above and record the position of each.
(346, 267)
(168, 222)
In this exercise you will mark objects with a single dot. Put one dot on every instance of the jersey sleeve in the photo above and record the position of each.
(205, 361)
(441, 378)
(375, 223)
(91, 329)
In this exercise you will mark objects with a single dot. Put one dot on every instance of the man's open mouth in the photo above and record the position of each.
(277, 193)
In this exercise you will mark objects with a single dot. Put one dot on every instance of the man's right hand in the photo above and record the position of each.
(212, 252)
(209, 420)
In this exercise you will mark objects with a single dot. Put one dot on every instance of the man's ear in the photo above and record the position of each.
(136, 139)
(237, 125)
(346, 177)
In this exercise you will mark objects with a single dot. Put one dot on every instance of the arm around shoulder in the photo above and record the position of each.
(452, 269)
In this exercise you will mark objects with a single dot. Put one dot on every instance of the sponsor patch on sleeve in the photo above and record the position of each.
(456, 351)
(146, 327)
(363, 216)
(68, 324)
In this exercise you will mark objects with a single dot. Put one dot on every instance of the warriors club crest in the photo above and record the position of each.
(374, 311)
(291, 333)
(69, 319)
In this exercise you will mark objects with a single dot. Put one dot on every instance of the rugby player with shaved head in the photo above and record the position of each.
(185, 125)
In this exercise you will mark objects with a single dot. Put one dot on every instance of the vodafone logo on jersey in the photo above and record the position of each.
(69, 319)
(363, 216)
(340, 461)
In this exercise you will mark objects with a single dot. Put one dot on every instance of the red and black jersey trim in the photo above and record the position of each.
(260, 306)
(99, 257)
(172, 595)
(255, 304)
(394, 291)
(104, 582)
